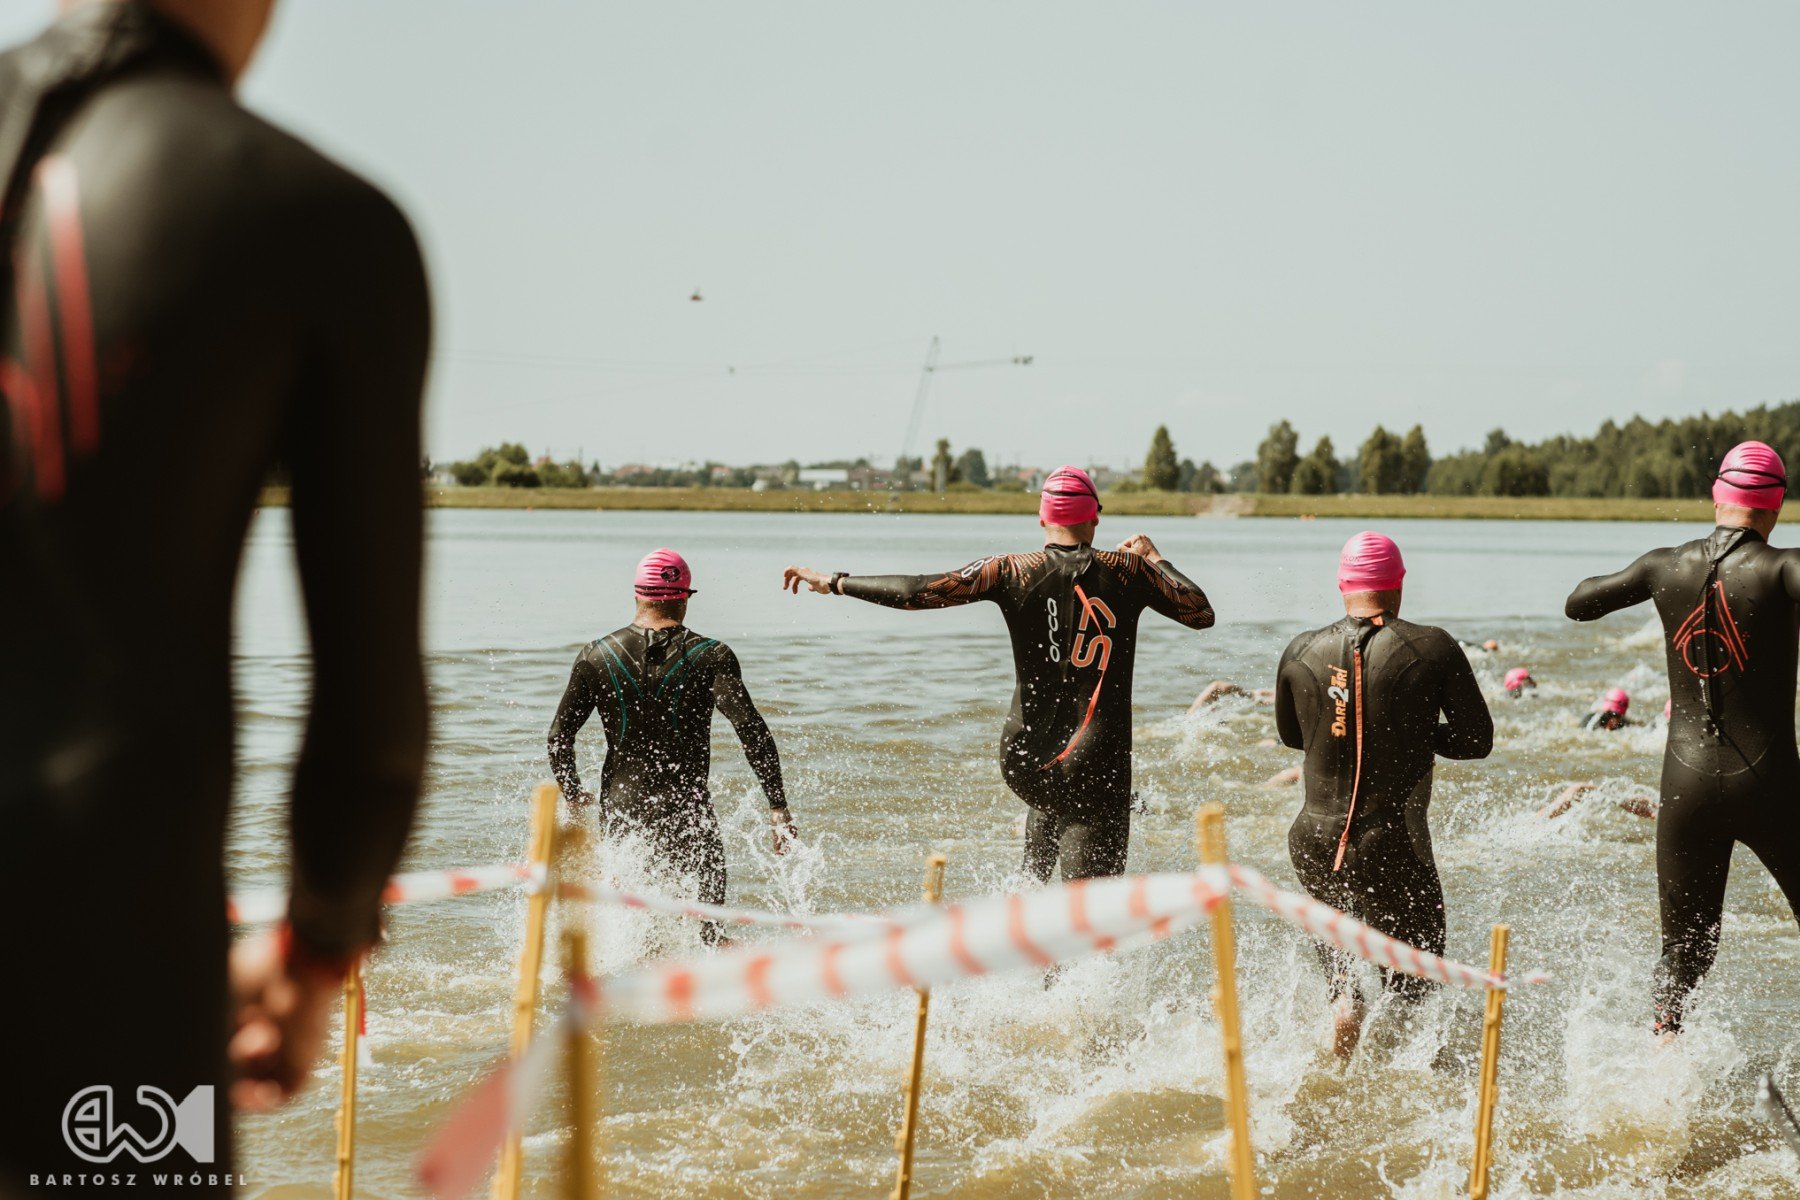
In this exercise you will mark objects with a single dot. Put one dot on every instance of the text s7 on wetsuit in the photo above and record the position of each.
(1730, 608)
(1374, 701)
(1072, 613)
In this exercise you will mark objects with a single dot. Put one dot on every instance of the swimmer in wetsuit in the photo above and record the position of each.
(655, 684)
(1072, 612)
(1518, 681)
(193, 297)
(1363, 697)
(1730, 607)
(1609, 712)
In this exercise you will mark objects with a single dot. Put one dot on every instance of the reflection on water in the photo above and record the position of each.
(1108, 1082)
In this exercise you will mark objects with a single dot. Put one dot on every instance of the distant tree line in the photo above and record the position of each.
(1667, 458)
(510, 465)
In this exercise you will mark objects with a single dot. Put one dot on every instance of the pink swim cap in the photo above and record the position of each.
(664, 575)
(1069, 498)
(1518, 677)
(1370, 562)
(1751, 475)
(1615, 701)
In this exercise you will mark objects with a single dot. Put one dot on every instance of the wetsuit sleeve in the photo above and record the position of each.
(1594, 598)
(1176, 596)
(1467, 730)
(1287, 714)
(571, 714)
(732, 698)
(980, 580)
(353, 447)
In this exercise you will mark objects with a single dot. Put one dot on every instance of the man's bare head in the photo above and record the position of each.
(231, 29)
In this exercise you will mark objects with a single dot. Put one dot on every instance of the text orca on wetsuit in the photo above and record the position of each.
(1730, 610)
(1072, 613)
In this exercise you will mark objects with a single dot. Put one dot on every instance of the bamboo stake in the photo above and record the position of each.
(343, 1179)
(1490, 1070)
(909, 1120)
(531, 961)
(580, 1177)
(1210, 824)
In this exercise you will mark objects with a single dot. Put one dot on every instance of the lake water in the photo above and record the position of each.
(1107, 1083)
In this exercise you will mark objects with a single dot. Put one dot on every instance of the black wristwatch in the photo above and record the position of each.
(837, 582)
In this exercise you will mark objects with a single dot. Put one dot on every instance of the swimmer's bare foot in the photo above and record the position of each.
(1284, 778)
(1266, 743)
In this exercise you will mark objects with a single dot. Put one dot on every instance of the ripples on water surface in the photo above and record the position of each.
(1107, 1083)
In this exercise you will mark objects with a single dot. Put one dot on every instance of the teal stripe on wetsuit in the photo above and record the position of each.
(680, 669)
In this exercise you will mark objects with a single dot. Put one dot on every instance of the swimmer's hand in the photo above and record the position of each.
(1141, 546)
(785, 833)
(282, 1013)
(793, 577)
(583, 799)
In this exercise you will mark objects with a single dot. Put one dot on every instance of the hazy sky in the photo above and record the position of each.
(1213, 216)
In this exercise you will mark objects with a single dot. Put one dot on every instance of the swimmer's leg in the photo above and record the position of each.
(687, 841)
(1693, 861)
(1042, 831)
(1094, 848)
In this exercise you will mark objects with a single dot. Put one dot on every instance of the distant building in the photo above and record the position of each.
(820, 479)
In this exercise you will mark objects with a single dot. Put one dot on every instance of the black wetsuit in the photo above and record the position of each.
(1730, 608)
(1072, 612)
(197, 297)
(655, 691)
(1363, 697)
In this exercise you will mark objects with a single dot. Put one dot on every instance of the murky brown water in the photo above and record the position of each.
(1107, 1083)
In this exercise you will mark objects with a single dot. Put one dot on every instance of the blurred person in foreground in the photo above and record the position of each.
(194, 297)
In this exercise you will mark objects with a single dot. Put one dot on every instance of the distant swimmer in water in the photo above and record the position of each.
(1491, 646)
(1363, 697)
(1609, 712)
(1072, 613)
(655, 684)
(1730, 610)
(193, 298)
(1638, 805)
(1518, 682)
(1218, 689)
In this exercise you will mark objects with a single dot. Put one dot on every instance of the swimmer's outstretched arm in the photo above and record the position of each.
(732, 698)
(1594, 598)
(1467, 730)
(572, 713)
(354, 448)
(979, 580)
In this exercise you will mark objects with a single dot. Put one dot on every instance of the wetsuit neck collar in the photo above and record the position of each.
(1746, 530)
(1380, 620)
(652, 630)
(1066, 548)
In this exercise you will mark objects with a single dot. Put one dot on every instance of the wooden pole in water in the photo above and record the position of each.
(909, 1119)
(580, 1177)
(531, 962)
(343, 1179)
(1210, 823)
(1490, 1069)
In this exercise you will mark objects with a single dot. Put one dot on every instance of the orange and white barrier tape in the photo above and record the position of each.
(462, 1152)
(270, 904)
(848, 925)
(922, 946)
(1347, 933)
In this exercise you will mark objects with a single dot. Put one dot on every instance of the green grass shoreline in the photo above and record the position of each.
(1118, 504)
